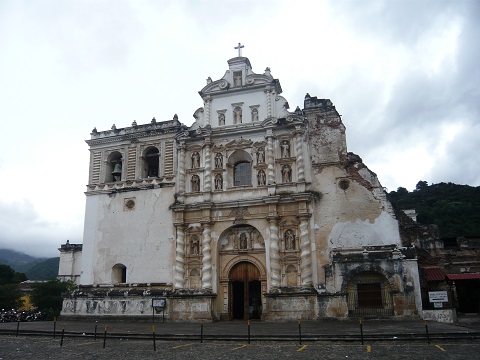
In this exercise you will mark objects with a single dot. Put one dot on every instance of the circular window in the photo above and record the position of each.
(130, 204)
(344, 184)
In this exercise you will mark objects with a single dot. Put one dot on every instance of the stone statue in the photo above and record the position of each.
(237, 80)
(285, 149)
(286, 174)
(218, 182)
(195, 160)
(218, 160)
(195, 183)
(254, 115)
(195, 246)
(221, 119)
(260, 155)
(289, 240)
(238, 115)
(261, 178)
(243, 241)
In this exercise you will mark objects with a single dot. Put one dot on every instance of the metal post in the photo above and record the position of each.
(153, 313)
(300, 331)
(63, 333)
(201, 331)
(361, 329)
(426, 332)
(154, 343)
(249, 331)
(18, 326)
(104, 336)
(96, 324)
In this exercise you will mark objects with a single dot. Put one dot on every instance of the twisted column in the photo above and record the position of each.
(180, 258)
(181, 170)
(299, 154)
(207, 182)
(274, 254)
(305, 253)
(207, 257)
(269, 102)
(208, 101)
(270, 161)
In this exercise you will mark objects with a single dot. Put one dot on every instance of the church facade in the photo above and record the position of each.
(253, 212)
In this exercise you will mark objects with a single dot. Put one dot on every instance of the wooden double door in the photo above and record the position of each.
(245, 292)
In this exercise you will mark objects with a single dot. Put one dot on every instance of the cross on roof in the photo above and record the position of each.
(239, 47)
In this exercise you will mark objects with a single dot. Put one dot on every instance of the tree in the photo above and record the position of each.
(47, 296)
(10, 294)
(421, 185)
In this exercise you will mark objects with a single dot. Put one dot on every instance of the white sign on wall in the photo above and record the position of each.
(438, 296)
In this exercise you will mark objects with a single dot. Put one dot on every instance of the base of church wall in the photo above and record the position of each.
(291, 306)
(172, 306)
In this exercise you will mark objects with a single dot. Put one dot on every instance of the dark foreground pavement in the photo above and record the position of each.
(325, 339)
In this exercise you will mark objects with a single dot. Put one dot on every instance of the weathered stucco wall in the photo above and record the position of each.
(140, 238)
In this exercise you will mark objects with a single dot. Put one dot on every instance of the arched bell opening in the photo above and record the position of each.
(150, 162)
(245, 292)
(114, 167)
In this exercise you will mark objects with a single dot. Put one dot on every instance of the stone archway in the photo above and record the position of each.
(242, 273)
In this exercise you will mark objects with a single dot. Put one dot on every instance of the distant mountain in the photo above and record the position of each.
(45, 270)
(34, 268)
(455, 209)
(18, 261)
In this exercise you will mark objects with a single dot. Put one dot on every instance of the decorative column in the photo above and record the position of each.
(274, 253)
(299, 154)
(270, 159)
(207, 257)
(305, 252)
(181, 170)
(207, 181)
(180, 258)
(268, 91)
(208, 102)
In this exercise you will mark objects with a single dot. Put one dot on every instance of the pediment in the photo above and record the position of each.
(239, 144)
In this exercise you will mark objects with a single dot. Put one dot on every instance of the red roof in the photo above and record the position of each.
(465, 276)
(435, 274)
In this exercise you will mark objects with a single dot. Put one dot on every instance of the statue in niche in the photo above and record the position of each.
(218, 160)
(221, 119)
(285, 149)
(254, 115)
(286, 174)
(218, 182)
(237, 113)
(289, 238)
(261, 178)
(243, 241)
(237, 80)
(195, 183)
(260, 155)
(195, 160)
(194, 245)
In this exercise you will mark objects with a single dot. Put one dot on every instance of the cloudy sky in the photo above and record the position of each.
(405, 76)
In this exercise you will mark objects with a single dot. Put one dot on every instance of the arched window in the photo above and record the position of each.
(150, 162)
(119, 274)
(242, 174)
(114, 167)
(239, 169)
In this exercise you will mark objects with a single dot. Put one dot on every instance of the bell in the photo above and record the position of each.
(117, 171)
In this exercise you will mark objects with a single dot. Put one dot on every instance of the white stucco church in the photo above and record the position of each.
(253, 212)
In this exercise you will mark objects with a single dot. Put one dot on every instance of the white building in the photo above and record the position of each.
(252, 212)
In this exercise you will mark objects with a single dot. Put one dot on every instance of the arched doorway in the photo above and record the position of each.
(245, 292)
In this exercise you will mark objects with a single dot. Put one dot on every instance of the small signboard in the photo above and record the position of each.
(157, 306)
(438, 296)
(159, 303)
(438, 305)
